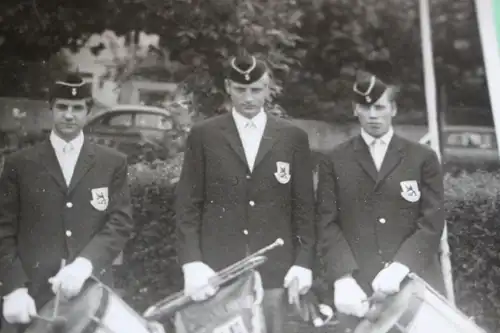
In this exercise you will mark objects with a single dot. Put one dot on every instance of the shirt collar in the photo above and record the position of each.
(59, 143)
(386, 138)
(259, 120)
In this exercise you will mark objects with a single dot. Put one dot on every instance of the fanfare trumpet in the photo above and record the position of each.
(179, 300)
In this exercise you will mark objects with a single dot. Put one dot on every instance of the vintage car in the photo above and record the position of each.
(137, 130)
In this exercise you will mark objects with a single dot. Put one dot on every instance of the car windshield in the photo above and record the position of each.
(157, 121)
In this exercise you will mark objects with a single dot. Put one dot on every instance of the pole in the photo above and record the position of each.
(433, 125)
(488, 19)
(429, 75)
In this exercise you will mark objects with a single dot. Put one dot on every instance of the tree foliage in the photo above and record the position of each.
(312, 46)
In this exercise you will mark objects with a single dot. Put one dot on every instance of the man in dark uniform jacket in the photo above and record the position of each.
(65, 198)
(243, 185)
(380, 205)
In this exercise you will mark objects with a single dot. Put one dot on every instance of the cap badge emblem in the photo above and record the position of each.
(245, 73)
(73, 91)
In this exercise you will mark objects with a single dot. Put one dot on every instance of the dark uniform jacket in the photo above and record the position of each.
(225, 212)
(43, 221)
(369, 219)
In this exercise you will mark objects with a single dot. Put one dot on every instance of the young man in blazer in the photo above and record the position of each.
(380, 205)
(65, 198)
(243, 185)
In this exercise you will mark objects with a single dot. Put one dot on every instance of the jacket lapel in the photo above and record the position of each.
(364, 158)
(392, 158)
(49, 161)
(269, 138)
(85, 161)
(230, 132)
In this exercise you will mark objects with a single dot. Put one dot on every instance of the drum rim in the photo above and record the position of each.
(93, 324)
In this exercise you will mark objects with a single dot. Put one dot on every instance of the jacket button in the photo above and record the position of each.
(251, 203)
(69, 204)
(68, 233)
(248, 176)
(245, 231)
(381, 220)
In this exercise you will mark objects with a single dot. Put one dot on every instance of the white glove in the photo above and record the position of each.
(303, 277)
(18, 307)
(349, 298)
(197, 277)
(388, 280)
(70, 278)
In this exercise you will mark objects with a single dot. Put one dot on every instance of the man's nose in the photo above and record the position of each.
(69, 113)
(372, 113)
(248, 95)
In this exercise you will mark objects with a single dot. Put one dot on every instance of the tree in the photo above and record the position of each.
(312, 46)
(33, 32)
(198, 38)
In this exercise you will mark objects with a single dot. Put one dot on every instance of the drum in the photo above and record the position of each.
(417, 308)
(97, 309)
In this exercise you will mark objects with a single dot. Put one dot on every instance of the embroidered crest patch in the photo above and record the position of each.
(410, 191)
(282, 173)
(100, 198)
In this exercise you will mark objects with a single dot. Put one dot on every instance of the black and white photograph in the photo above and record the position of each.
(250, 166)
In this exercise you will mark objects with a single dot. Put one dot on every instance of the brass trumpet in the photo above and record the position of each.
(179, 300)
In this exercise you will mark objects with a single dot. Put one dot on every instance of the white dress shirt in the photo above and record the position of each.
(67, 153)
(251, 132)
(378, 146)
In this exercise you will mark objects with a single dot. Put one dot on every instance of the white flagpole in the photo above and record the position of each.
(490, 43)
(432, 123)
(429, 75)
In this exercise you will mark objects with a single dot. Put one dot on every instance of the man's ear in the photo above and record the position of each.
(227, 85)
(394, 109)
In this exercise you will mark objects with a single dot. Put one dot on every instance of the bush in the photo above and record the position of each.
(473, 207)
(151, 271)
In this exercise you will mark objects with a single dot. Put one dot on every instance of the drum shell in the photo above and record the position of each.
(97, 309)
(418, 308)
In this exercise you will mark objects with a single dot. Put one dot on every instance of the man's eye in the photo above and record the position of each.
(61, 106)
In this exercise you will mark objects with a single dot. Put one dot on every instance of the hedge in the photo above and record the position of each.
(151, 271)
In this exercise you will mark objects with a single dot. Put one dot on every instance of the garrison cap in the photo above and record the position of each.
(71, 87)
(368, 88)
(246, 69)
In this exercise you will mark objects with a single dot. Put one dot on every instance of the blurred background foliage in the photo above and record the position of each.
(312, 46)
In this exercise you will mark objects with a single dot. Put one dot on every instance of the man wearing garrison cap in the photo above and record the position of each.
(243, 185)
(65, 198)
(380, 204)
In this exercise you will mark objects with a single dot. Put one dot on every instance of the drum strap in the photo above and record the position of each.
(93, 325)
(407, 316)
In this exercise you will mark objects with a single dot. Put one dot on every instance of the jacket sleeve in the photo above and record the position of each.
(423, 245)
(335, 251)
(303, 202)
(190, 198)
(105, 246)
(12, 274)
